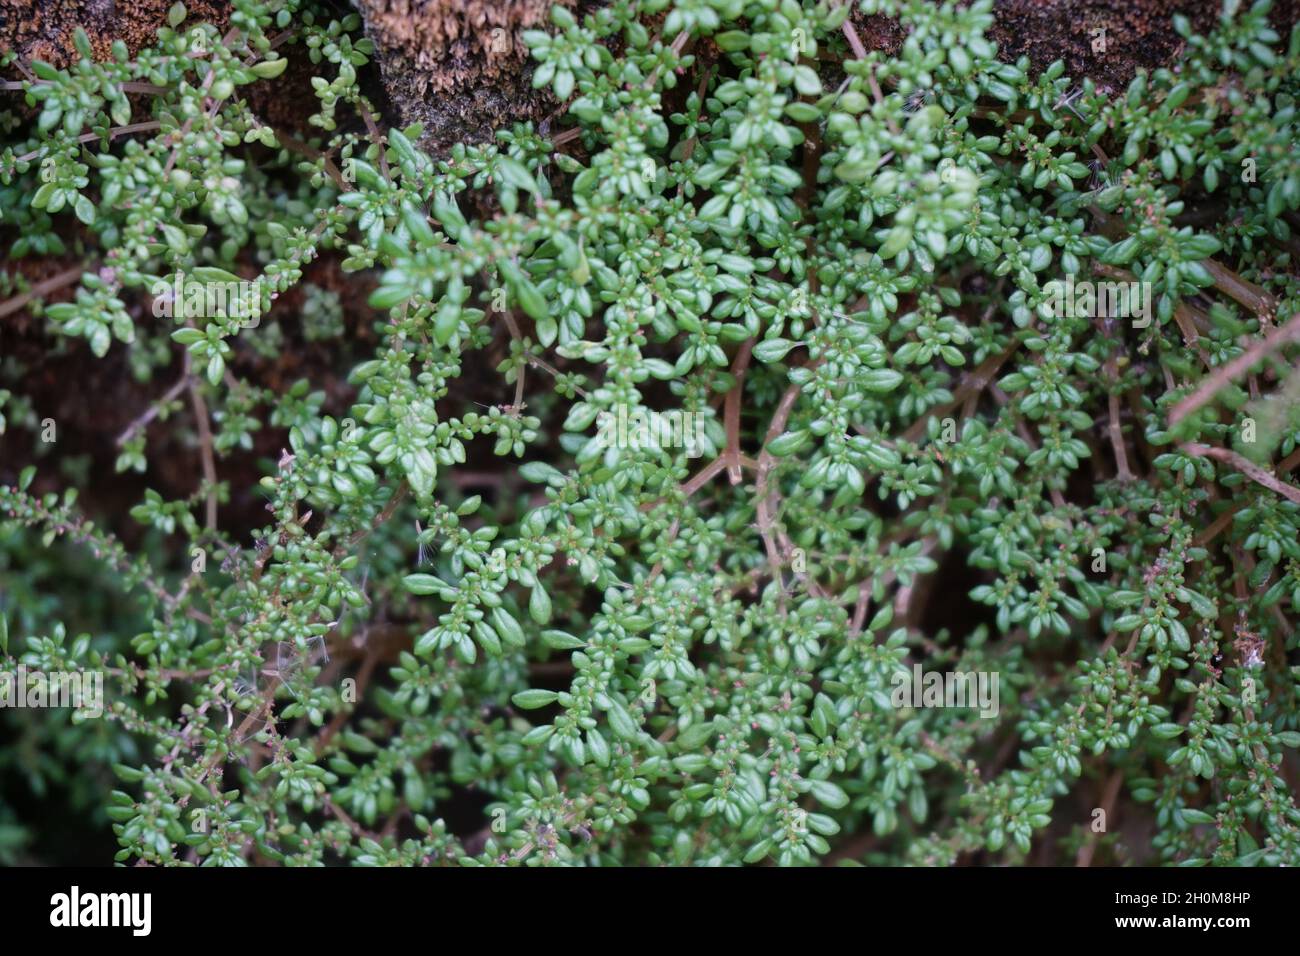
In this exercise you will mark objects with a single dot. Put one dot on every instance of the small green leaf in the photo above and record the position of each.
(514, 173)
(270, 69)
(539, 605)
(422, 584)
(828, 794)
(533, 699)
(772, 350)
(560, 641)
(621, 722)
(895, 242)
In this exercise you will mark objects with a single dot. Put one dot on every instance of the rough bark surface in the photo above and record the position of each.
(457, 66)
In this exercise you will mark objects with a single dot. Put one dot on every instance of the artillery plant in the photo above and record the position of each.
(469, 632)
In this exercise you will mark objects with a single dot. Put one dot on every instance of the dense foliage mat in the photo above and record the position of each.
(688, 447)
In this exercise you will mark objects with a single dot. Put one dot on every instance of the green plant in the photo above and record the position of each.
(849, 265)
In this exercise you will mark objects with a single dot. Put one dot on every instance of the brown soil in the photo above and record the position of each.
(106, 398)
(1137, 34)
(43, 29)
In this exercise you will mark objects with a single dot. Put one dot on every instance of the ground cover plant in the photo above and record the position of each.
(788, 453)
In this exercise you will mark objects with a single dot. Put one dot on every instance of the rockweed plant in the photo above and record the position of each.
(842, 261)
